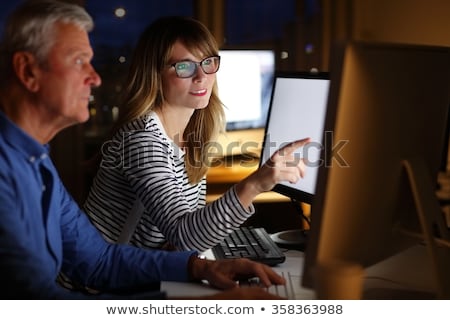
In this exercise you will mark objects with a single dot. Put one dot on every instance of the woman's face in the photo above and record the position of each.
(193, 92)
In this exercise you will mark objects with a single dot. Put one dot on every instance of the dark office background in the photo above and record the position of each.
(118, 23)
(301, 33)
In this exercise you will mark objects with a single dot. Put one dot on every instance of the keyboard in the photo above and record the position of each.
(286, 291)
(251, 243)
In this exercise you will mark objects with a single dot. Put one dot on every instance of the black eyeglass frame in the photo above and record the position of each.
(196, 66)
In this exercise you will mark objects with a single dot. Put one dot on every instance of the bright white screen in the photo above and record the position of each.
(298, 111)
(245, 84)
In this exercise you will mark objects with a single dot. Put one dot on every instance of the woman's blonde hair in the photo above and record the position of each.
(143, 91)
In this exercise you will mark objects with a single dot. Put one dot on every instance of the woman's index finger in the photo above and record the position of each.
(291, 147)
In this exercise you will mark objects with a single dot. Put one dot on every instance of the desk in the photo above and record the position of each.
(274, 211)
(390, 279)
(406, 275)
(293, 264)
(225, 174)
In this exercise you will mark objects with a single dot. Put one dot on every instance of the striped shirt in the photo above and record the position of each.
(140, 163)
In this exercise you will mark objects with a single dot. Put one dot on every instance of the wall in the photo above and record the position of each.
(404, 21)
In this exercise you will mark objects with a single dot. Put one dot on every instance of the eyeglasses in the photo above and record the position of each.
(187, 68)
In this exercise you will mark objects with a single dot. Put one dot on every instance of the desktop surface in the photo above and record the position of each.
(394, 278)
(390, 279)
(230, 170)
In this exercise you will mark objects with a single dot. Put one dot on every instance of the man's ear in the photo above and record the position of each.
(26, 68)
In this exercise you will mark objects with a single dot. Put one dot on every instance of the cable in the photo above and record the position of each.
(299, 209)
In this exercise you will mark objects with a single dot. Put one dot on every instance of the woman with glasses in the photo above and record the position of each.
(150, 188)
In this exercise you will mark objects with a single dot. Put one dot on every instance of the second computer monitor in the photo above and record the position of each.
(244, 81)
(297, 110)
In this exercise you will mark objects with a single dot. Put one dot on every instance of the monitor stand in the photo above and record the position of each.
(295, 239)
(291, 239)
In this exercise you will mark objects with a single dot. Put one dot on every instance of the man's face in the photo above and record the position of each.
(65, 81)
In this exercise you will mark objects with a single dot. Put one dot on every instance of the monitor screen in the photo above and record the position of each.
(375, 199)
(297, 110)
(244, 81)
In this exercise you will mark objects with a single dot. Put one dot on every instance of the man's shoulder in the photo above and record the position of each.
(9, 157)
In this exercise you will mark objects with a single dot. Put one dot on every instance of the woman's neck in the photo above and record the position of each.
(174, 123)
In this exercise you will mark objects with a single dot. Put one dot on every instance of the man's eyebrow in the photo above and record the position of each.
(74, 51)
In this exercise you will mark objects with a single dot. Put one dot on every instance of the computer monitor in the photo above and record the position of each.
(245, 84)
(375, 201)
(297, 110)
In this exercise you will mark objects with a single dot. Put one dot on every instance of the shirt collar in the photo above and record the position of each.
(174, 147)
(21, 141)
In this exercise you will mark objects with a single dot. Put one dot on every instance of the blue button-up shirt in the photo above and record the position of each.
(43, 232)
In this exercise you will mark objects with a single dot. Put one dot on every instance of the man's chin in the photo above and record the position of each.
(79, 119)
(83, 117)
(83, 120)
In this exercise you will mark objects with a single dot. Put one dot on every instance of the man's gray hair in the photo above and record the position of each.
(30, 28)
